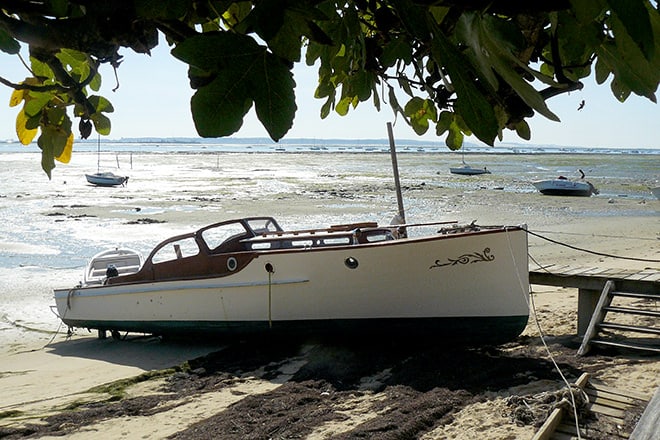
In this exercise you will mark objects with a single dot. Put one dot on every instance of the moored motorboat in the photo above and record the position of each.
(465, 284)
(565, 187)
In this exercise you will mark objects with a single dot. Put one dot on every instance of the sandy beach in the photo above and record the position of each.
(56, 384)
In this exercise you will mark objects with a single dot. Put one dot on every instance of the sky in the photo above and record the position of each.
(153, 100)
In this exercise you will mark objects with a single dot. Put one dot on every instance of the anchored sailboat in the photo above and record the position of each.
(104, 178)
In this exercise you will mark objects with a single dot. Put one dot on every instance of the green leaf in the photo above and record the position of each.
(634, 19)
(101, 123)
(56, 115)
(454, 138)
(101, 104)
(396, 49)
(361, 84)
(522, 128)
(420, 112)
(602, 71)
(274, 98)
(499, 55)
(41, 69)
(219, 51)
(445, 120)
(589, 11)
(471, 102)
(326, 108)
(47, 156)
(218, 108)
(286, 42)
(629, 66)
(244, 73)
(36, 102)
(343, 105)
(160, 9)
(8, 44)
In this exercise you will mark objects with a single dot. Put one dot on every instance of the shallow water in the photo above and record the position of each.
(50, 228)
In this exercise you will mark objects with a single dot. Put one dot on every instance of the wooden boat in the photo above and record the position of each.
(106, 179)
(565, 187)
(467, 170)
(463, 284)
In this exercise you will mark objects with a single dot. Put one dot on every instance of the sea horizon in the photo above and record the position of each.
(367, 145)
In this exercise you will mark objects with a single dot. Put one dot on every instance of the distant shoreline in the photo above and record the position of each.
(265, 145)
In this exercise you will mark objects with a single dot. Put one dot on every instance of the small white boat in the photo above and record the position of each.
(565, 187)
(467, 170)
(106, 179)
(463, 284)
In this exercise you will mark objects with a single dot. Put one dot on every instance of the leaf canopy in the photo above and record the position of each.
(469, 67)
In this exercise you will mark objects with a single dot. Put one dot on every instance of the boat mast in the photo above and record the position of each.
(397, 183)
(98, 154)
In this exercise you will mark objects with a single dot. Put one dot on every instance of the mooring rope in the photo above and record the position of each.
(529, 299)
(602, 254)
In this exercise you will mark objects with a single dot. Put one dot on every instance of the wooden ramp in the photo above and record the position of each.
(607, 415)
(618, 331)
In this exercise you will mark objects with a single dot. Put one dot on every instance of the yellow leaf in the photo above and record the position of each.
(65, 157)
(16, 98)
(25, 135)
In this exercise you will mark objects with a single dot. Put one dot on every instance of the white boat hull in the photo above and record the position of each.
(106, 179)
(466, 286)
(467, 170)
(565, 187)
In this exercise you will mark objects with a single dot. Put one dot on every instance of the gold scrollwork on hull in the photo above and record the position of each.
(473, 257)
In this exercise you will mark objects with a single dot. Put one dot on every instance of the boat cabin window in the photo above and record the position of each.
(186, 247)
(287, 242)
(263, 225)
(220, 234)
(379, 235)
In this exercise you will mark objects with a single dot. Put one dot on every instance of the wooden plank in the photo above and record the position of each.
(601, 409)
(647, 426)
(626, 393)
(653, 278)
(643, 274)
(654, 349)
(594, 271)
(601, 394)
(564, 436)
(575, 271)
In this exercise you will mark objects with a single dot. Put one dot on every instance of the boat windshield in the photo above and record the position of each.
(226, 237)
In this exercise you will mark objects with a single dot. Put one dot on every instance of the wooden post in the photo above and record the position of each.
(395, 168)
(647, 426)
(587, 301)
(596, 318)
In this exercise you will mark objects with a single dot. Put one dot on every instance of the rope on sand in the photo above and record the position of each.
(535, 409)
